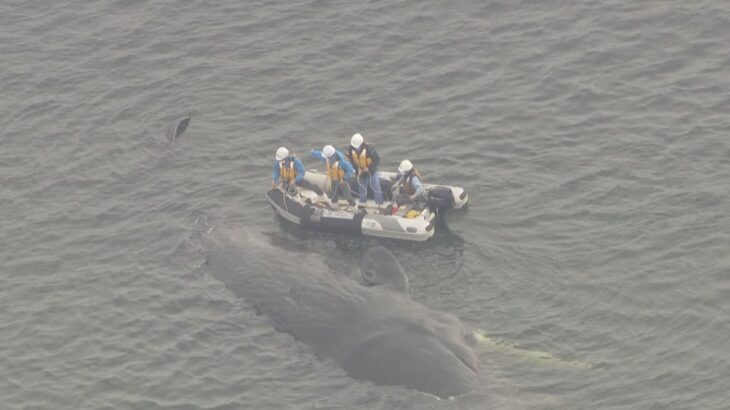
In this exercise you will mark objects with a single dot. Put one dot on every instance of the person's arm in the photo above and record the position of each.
(275, 176)
(348, 157)
(376, 160)
(345, 165)
(317, 154)
(395, 188)
(300, 170)
(417, 186)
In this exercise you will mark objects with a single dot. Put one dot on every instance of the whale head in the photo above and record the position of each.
(415, 352)
(380, 268)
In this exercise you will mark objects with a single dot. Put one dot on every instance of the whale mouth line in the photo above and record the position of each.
(460, 354)
(467, 364)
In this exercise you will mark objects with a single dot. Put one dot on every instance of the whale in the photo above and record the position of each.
(366, 319)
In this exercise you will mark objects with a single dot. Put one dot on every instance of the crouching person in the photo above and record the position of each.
(410, 186)
(339, 170)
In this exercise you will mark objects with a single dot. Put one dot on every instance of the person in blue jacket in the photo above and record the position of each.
(410, 184)
(288, 170)
(339, 170)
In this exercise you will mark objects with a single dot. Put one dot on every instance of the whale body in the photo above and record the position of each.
(371, 326)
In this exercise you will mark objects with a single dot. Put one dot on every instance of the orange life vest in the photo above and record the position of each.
(334, 171)
(407, 182)
(288, 173)
(362, 160)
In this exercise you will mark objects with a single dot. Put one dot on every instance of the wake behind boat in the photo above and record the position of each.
(309, 207)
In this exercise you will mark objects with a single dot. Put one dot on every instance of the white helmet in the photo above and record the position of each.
(281, 153)
(405, 166)
(356, 141)
(328, 151)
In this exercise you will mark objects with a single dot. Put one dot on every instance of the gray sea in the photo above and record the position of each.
(592, 136)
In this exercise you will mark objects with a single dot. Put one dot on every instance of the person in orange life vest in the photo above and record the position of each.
(365, 160)
(288, 170)
(411, 186)
(339, 171)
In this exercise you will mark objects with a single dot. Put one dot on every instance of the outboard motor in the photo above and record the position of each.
(440, 199)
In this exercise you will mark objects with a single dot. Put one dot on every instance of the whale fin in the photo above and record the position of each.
(381, 268)
(177, 128)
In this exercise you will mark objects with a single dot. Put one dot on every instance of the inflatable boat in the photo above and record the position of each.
(309, 207)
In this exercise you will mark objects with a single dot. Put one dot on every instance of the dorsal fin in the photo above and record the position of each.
(177, 128)
(381, 268)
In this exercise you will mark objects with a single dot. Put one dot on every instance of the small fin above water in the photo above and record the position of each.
(177, 128)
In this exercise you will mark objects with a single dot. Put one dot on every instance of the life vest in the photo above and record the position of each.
(288, 172)
(407, 185)
(362, 160)
(334, 171)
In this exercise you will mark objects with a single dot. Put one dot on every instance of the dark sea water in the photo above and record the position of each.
(592, 136)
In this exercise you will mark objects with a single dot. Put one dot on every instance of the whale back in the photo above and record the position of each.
(380, 268)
